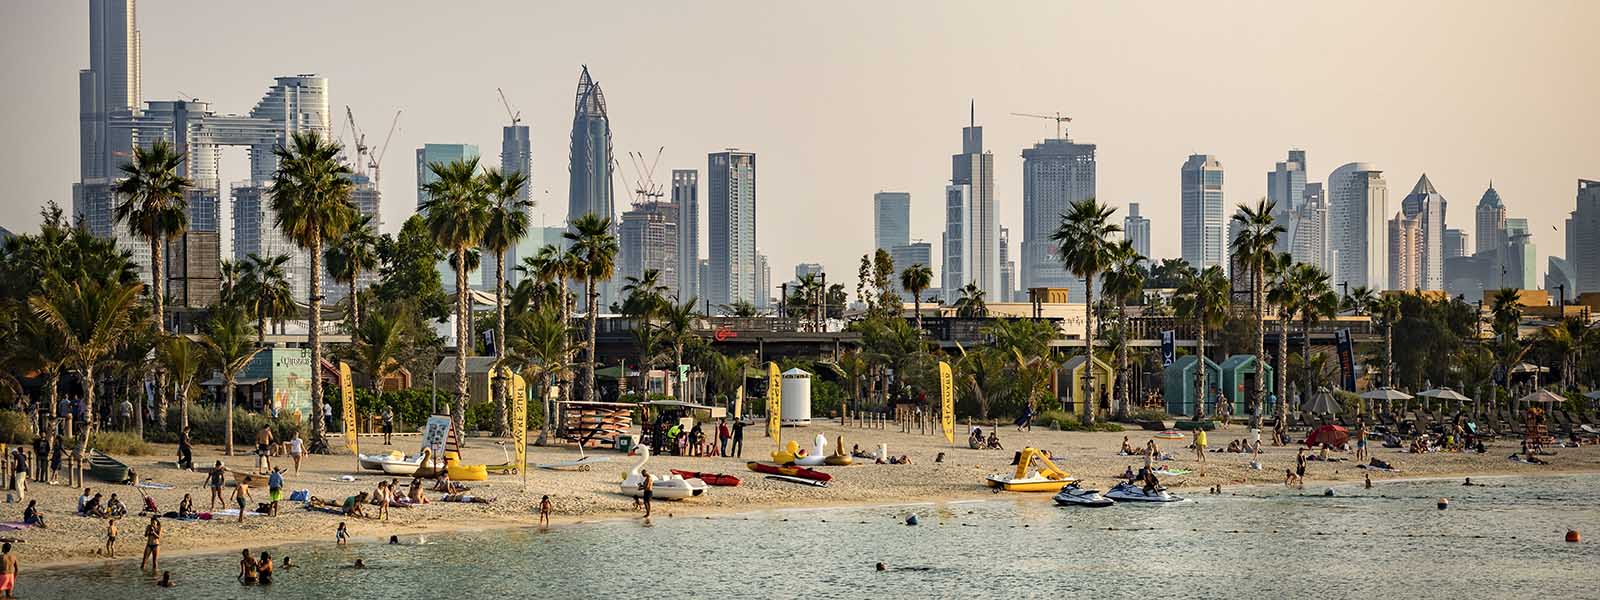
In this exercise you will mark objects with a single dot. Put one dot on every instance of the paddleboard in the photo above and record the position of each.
(572, 464)
(799, 480)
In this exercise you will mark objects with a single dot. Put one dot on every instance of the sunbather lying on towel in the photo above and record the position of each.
(467, 498)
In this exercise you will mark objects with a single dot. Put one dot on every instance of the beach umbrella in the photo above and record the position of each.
(1387, 394)
(1332, 435)
(1443, 393)
(1594, 395)
(1542, 397)
(1322, 403)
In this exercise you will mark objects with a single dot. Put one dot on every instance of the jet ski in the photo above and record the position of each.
(1127, 492)
(1072, 495)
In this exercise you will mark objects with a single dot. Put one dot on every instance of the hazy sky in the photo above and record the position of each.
(843, 99)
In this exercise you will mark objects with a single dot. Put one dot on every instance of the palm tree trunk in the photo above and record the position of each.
(1257, 293)
(588, 366)
(1305, 359)
(458, 416)
(183, 409)
(1122, 363)
(261, 327)
(355, 305)
(1088, 349)
(502, 420)
(983, 400)
(1200, 375)
(314, 332)
(1280, 376)
(227, 429)
(87, 374)
(567, 376)
(1388, 354)
(53, 381)
(916, 307)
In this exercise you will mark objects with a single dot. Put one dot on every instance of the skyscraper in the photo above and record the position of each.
(366, 196)
(516, 156)
(731, 227)
(891, 219)
(1136, 228)
(1286, 188)
(1491, 220)
(110, 86)
(1008, 267)
(1455, 243)
(1406, 242)
(1359, 199)
(1583, 235)
(1307, 231)
(1205, 243)
(801, 270)
(686, 194)
(429, 154)
(973, 170)
(648, 238)
(1428, 206)
(1056, 174)
(590, 162)
(763, 282)
(1518, 257)
(905, 255)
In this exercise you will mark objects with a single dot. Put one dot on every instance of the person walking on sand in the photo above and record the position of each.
(264, 447)
(544, 511)
(297, 448)
(214, 481)
(722, 437)
(152, 544)
(1300, 465)
(648, 487)
(1361, 442)
(241, 497)
(388, 425)
(738, 438)
(111, 537)
(274, 490)
(8, 571)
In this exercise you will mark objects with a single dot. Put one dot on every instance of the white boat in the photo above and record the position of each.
(374, 462)
(1127, 492)
(394, 463)
(666, 487)
(1072, 495)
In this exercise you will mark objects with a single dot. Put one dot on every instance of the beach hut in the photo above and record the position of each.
(1178, 383)
(1239, 381)
(1069, 382)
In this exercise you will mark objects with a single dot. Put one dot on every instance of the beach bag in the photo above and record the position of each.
(300, 496)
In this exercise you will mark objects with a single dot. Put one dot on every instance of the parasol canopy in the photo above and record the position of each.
(1385, 393)
(1443, 394)
(1321, 403)
(1331, 435)
(1542, 397)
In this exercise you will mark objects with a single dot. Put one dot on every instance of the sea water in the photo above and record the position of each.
(1500, 541)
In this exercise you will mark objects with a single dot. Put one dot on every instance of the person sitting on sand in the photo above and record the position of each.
(994, 441)
(31, 515)
(94, 507)
(975, 438)
(186, 507)
(83, 501)
(115, 507)
(1127, 448)
(414, 494)
(247, 568)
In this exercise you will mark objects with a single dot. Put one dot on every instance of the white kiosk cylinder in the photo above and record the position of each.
(796, 397)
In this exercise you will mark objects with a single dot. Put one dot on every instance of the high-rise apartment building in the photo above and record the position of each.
(686, 194)
(1519, 257)
(1136, 229)
(972, 176)
(1455, 243)
(1204, 239)
(1359, 199)
(648, 238)
(763, 282)
(906, 255)
(1056, 174)
(516, 156)
(1286, 189)
(731, 228)
(891, 219)
(1560, 278)
(430, 154)
(1008, 268)
(801, 270)
(367, 198)
(590, 163)
(1583, 235)
(1491, 221)
(1307, 229)
(1407, 239)
(1428, 206)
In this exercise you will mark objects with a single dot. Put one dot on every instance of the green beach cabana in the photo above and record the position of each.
(1239, 381)
(1178, 383)
(1069, 381)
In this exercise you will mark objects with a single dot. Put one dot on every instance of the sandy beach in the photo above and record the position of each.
(593, 495)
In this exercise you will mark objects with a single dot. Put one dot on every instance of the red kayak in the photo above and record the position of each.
(722, 479)
(790, 470)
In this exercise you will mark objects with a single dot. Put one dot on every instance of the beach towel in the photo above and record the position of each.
(229, 512)
(299, 495)
(151, 485)
(14, 526)
(1171, 472)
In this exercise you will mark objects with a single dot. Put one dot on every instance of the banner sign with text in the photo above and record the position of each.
(519, 422)
(1347, 360)
(947, 402)
(774, 403)
(1169, 347)
(347, 393)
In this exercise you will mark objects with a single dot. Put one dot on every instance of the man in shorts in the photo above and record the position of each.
(214, 481)
(274, 490)
(264, 446)
(8, 571)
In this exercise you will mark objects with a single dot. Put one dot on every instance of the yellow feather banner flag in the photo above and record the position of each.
(947, 402)
(519, 422)
(774, 403)
(347, 392)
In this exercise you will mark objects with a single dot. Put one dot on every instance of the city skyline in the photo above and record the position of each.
(1533, 156)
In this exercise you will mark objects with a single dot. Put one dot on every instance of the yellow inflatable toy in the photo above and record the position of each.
(839, 456)
(456, 470)
(790, 453)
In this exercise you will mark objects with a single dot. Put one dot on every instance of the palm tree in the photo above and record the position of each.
(538, 346)
(507, 224)
(593, 242)
(1359, 301)
(1279, 273)
(1254, 250)
(677, 329)
(1312, 297)
(727, 374)
(91, 316)
(182, 359)
(354, 253)
(970, 305)
(915, 279)
(978, 369)
(264, 291)
(231, 282)
(228, 350)
(153, 204)
(1387, 310)
(1123, 283)
(311, 197)
(378, 346)
(1083, 238)
(457, 213)
(1203, 298)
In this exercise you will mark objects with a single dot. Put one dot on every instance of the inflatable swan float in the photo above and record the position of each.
(817, 456)
(670, 487)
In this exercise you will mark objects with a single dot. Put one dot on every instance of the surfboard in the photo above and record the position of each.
(799, 480)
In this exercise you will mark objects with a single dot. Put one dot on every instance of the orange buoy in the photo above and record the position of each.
(1573, 537)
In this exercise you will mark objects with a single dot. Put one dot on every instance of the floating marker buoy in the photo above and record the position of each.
(1573, 537)
(1444, 503)
(911, 520)
(1327, 492)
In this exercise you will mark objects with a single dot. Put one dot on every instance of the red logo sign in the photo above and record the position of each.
(723, 334)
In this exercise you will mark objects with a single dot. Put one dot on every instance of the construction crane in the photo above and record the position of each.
(645, 187)
(1057, 118)
(359, 139)
(516, 116)
(376, 154)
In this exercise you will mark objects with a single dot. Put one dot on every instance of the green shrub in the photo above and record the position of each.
(14, 428)
(1150, 414)
(207, 425)
(1068, 422)
(126, 443)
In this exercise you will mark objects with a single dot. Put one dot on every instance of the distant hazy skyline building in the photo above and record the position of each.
(1203, 231)
(1308, 231)
(763, 282)
(686, 194)
(429, 154)
(109, 88)
(648, 239)
(1519, 257)
(801, 270)
(1455, 243)
(1406, 241)
(731, 227)
(1056, 173)
(1136, 229)
(1583, 235)
(891, 219)
(1491, 220)
(1286, 188)
(1359, 201)
(1427, 206)
(975, 224)
(1008, 268)
(590, 162)
(516, 156)
(1560, 278)
(369, 203)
